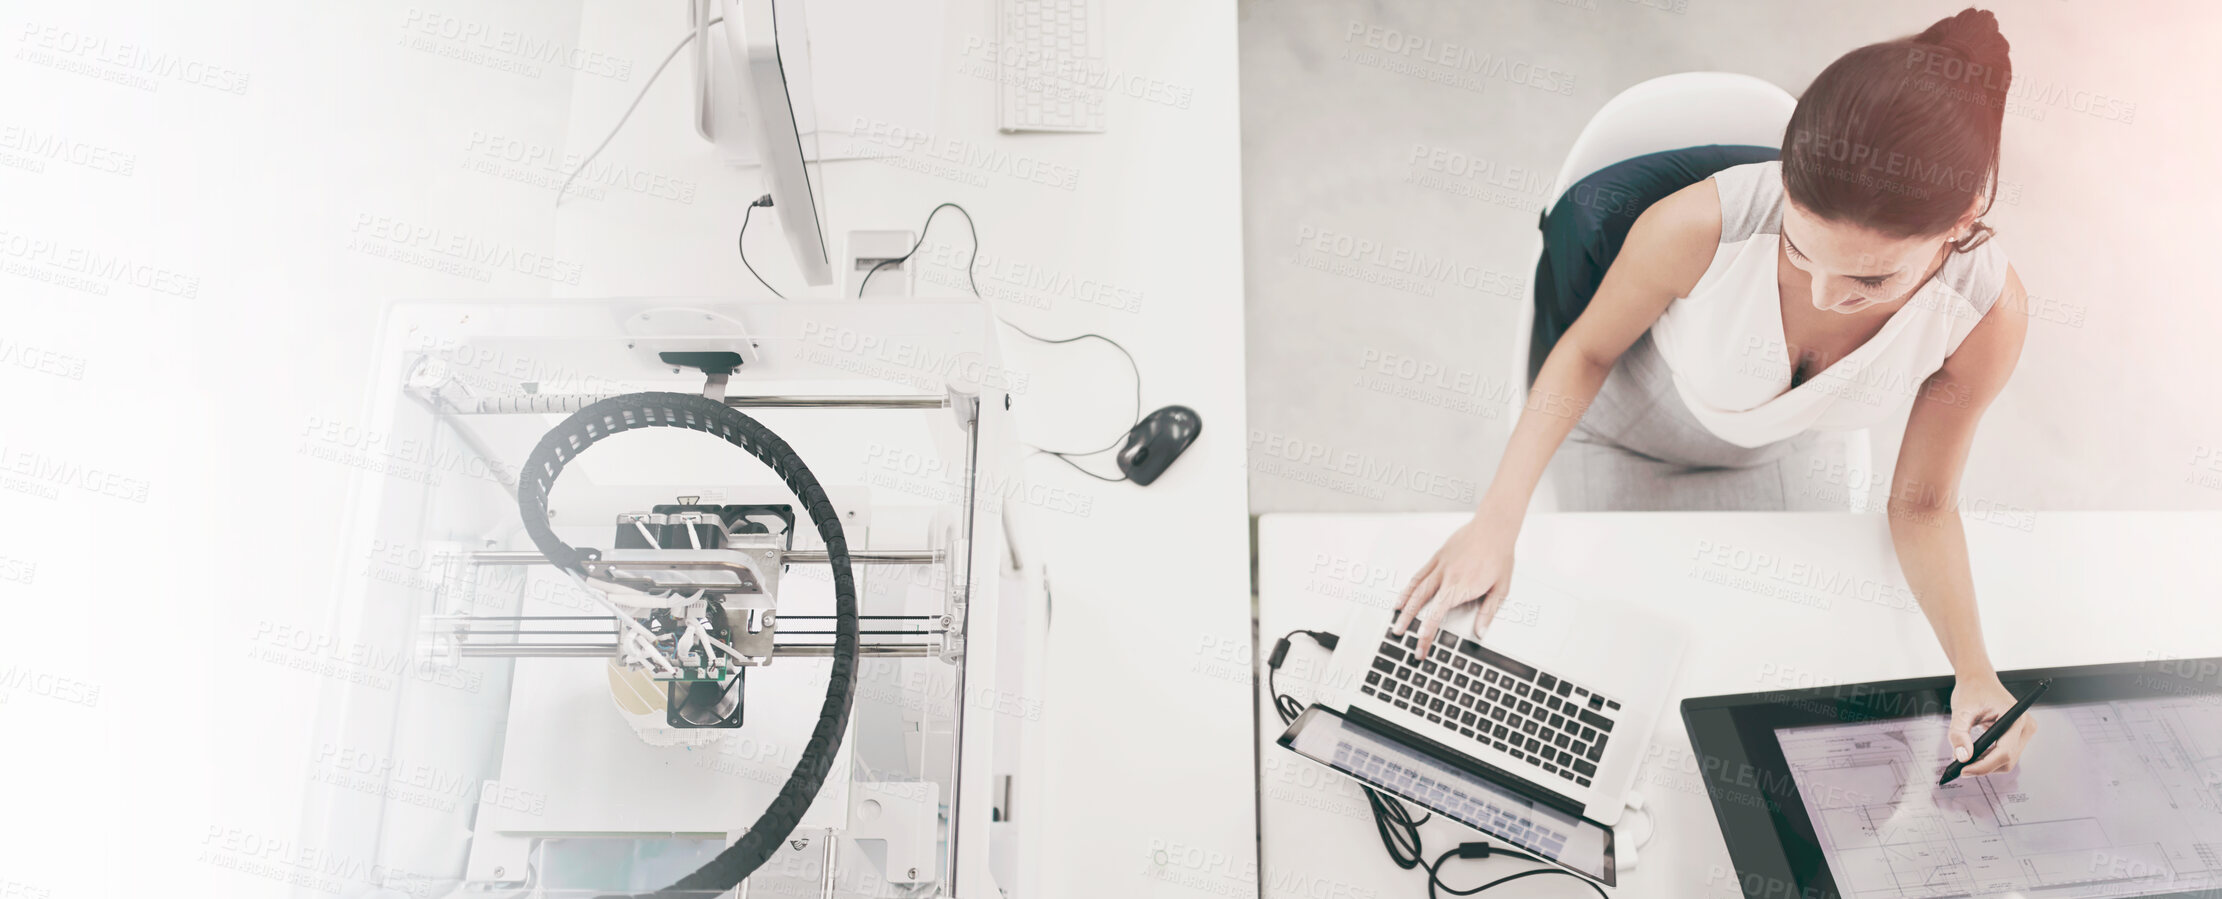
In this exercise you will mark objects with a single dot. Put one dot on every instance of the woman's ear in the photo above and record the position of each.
(1966, 221)
(1968, 232)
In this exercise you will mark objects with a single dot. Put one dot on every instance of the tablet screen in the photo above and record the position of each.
(1375, 758)
(2113, 798)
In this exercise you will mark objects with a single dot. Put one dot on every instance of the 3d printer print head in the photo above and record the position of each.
(616, 415)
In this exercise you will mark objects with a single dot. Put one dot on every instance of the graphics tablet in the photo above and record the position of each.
(1833, 791)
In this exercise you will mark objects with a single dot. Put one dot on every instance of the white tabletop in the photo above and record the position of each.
(1773, 600)
(1150, 628)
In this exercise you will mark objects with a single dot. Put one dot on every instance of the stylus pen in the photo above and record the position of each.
(1997, 729)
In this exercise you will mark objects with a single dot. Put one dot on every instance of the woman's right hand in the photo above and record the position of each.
(1475, 563)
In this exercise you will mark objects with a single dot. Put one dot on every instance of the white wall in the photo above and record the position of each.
(218, 179)
(1371, 395)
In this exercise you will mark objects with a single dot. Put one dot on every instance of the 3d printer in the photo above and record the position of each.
(644, 661)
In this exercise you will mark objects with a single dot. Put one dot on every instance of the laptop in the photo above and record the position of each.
(1552, 716)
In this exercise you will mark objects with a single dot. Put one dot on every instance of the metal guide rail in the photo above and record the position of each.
(573, 636)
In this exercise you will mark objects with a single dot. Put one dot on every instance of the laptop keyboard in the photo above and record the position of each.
(1548, 721)
(1452, 799)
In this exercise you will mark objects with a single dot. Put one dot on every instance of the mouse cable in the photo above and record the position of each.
(1130, 363)
(914, 245)
(741, 243)
(1061, 457)
(972, 280)
(1479, 849)
(1067, 456)
(621, 120)
(1400, 834)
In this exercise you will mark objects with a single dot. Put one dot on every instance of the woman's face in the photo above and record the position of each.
(1852, 268)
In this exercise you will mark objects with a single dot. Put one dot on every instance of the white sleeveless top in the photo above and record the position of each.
(1724, 346)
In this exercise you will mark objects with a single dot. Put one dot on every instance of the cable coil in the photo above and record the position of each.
(633, 411)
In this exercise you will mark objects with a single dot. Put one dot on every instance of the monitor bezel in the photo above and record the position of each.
(1763, 818)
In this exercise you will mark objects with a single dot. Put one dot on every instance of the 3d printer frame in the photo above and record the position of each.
(971, 553)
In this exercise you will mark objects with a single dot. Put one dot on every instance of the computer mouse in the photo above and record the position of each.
(1155, 441)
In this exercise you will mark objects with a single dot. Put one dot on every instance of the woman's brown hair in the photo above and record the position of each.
(1902, 136)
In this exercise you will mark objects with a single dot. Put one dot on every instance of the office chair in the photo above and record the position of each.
(1670, 112)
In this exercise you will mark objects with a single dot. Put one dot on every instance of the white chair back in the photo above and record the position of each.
(1670, 112)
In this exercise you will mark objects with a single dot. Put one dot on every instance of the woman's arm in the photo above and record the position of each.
(1925, 520)
(1667, 251)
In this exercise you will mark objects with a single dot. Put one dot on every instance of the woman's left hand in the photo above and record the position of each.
(1981, 699)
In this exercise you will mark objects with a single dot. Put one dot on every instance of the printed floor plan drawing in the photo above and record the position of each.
(2112, 799)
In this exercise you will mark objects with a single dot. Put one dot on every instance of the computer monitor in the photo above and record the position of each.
(767, 64)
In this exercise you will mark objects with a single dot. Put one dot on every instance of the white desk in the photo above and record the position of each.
(418, 112)
(1775, 600)
(1151, 627)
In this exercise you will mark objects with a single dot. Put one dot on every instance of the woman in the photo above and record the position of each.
(1858, 266)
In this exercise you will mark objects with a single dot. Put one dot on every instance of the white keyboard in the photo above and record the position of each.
(1051, 72)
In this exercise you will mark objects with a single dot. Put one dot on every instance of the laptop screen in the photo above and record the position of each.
(1374, 758)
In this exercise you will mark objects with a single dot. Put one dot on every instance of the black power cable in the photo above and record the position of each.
(632, 411)
(1400, 833)
(741, 243)
(1484, 850)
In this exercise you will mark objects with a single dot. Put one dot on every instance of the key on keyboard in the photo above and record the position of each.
(1554, 725)
(1050, 65)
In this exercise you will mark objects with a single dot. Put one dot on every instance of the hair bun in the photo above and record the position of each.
(1974, 33)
